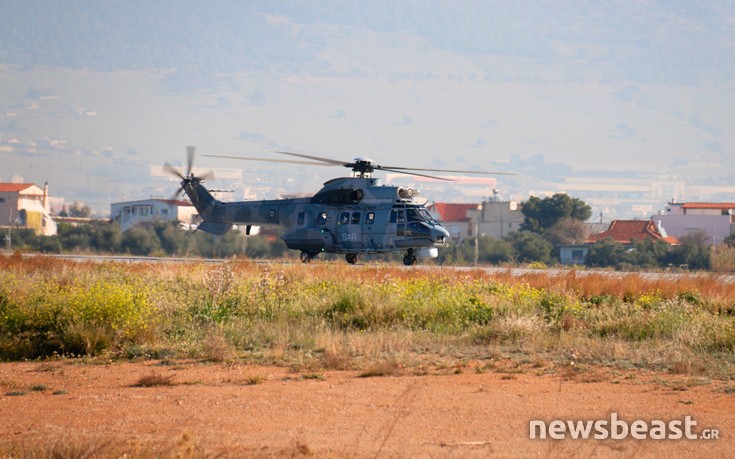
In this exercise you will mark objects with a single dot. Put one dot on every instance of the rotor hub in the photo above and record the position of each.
(362, 167)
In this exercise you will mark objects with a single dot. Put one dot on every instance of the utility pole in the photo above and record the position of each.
(10, 225)
(477, 241)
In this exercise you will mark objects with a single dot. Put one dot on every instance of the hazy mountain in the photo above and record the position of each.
(105, 90)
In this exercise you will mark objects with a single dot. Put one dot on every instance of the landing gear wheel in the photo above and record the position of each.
(351, 258)
(306, 257)
(409, 259)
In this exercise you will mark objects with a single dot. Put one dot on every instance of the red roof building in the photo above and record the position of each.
(26, 205)
(452, 212)
(15, 187)
(627, 231)
(492, 218)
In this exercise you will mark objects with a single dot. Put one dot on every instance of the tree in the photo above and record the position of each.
(541, 214)
(75, 238)
(647, 253)
(693, 251)
(489, 250)
(106, 237)
(174, 240)
(567, 231)
(530, 247)
(140, 240)
(79, 210)
(607, 252)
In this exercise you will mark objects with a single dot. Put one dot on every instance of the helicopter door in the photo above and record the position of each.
(349, 230)
(398, 221)
(370, 231)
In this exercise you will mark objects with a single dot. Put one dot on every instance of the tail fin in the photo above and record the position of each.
(206, 205)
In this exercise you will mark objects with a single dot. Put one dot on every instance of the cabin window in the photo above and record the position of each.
(397, 216)
(300, 219)
(2, 200)
(401, 229)
(369, 218)
(355, 218)
(322, 219)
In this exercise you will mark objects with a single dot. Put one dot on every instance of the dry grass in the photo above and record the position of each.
(385, 368)
(79, 446)
(338, 317)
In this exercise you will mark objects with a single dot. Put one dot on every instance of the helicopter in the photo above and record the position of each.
(348, 215)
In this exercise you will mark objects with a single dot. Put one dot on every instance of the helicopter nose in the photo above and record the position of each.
(439, 235)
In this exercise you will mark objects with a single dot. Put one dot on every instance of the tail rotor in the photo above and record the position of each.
(188, 180)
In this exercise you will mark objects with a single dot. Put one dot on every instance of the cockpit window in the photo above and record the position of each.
(419, 214)
(414, 215)
(416, 229)
(427, 216)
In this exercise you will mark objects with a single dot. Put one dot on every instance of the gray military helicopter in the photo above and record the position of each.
(350, 215)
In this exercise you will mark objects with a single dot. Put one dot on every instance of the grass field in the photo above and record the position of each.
(371, 318)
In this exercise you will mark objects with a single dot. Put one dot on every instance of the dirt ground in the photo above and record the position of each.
(202, 409)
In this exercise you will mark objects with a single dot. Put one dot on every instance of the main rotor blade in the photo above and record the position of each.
(443, 170)
(316, 158)
(208, 175)
(415, 173)
(248, 158)
(190, 152)
(172, 170)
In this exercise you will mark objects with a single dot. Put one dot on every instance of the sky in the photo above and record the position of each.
(96, 95)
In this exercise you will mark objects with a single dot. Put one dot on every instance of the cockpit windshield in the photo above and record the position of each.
(419, 214)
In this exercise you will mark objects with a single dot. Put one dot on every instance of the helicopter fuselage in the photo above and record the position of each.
(349, 215)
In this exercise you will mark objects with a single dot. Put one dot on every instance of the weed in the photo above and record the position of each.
(384, 368)
(254, 380)
(153, 380)
(16, 393)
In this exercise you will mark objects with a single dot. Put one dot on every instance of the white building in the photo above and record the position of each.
(489, 218)
(714, 219)
(130, 213)
(25, 205)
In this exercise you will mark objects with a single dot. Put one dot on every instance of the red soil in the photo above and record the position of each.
(238, 410)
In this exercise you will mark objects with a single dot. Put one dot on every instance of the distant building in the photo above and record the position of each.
(455, 218)
(489, 218)
(712, 218)
(25, 205)
(130, 213)
(627, 231)
(622, 231)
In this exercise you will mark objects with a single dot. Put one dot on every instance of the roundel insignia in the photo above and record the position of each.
(272, 213)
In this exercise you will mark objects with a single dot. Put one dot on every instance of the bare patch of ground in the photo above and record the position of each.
(191, 409)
